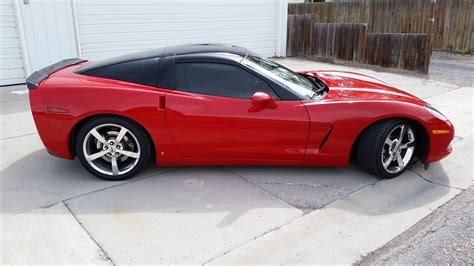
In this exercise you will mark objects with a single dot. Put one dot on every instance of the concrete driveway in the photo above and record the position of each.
(53, 211)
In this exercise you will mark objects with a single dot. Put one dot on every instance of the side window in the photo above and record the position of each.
(132, 71)
(219, 80)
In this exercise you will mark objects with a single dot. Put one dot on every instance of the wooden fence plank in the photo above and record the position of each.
(407, 51)
(351, 42)
(453, 27)
(337, 41)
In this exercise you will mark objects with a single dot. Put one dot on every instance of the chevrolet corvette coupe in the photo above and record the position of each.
(215, 104)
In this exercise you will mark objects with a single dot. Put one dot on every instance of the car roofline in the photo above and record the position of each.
(177, 50)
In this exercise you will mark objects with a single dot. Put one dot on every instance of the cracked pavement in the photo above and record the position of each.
(53, 211)
(444, 237)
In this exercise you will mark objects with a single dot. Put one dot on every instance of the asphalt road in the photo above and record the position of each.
(444, 237)
(453, 68)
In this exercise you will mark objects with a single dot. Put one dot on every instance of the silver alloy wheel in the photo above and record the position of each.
(111, 149)
(398, 149)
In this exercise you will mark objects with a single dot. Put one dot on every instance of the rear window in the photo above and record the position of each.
(138, 71)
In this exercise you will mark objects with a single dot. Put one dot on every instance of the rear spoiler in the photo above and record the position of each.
(35, 79)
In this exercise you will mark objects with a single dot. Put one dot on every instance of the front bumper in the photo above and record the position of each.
(441, 137)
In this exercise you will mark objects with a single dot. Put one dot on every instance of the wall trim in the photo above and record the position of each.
(282, 23)
(76, 29)
(22, 37)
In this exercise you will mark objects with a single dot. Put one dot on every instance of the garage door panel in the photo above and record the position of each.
(108, 28)
(176, 18)
(223, 6)
(6, 9)
(137, 46)
(7, 20)
(13, 62)
(101, 55)
(9, 31)
(167, 34)
(124, 28)
(13, 74)
(10, 52)
(140, 44)
(178, 2)
(11, 42)
(122, 10)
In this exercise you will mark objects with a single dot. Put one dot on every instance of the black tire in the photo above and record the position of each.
(371, 144)
(138, 133)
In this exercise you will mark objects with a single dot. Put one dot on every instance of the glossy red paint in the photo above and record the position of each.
(195, 129)
(261, 101)
(210, 127)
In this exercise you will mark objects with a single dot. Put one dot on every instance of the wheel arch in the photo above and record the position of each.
(77, 127)
(421, 134)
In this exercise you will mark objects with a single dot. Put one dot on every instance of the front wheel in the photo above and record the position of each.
(386, 148)
(112, 148)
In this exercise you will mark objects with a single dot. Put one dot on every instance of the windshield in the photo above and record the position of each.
(297, 83)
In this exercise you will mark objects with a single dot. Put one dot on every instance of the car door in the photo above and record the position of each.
(210, 115)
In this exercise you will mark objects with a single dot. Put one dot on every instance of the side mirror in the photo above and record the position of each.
(262, 99)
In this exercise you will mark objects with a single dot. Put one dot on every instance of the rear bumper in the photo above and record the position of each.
(53, 127)
(55, 138)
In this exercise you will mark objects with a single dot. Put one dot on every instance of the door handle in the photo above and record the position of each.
(162, 103)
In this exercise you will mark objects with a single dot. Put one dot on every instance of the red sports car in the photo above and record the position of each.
(224, 105)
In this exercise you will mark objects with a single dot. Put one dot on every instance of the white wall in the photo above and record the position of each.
(48, 31)
(113, 27)
(11, 61)
(36, 33)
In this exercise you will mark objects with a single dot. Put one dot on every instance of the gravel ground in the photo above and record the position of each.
(444, 237)
(452, 68)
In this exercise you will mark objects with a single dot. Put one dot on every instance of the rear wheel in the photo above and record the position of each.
(387, 148)
(112, 148)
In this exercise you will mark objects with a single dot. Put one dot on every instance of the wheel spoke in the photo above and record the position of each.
(120, 135)
(98, 136)
(402, 134)
(115, 145)
(388, 161)
(400, 162)
(114, 166)
(398, 148)
(407, 145)
(94, 156)
(135, 155)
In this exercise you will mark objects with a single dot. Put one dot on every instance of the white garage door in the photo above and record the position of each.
(11, 62)
(113, 27)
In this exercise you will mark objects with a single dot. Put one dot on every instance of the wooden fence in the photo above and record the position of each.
(351, 42)
(339, 41)
(409, 51)
(452, 25)
(299, 37)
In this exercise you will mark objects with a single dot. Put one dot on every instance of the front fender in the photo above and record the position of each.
(349, 119)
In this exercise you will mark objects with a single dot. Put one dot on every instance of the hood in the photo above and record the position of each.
(349, 86)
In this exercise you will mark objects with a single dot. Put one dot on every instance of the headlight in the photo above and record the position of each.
(436, 113)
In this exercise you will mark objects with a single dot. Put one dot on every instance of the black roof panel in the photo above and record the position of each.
(167, 51)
